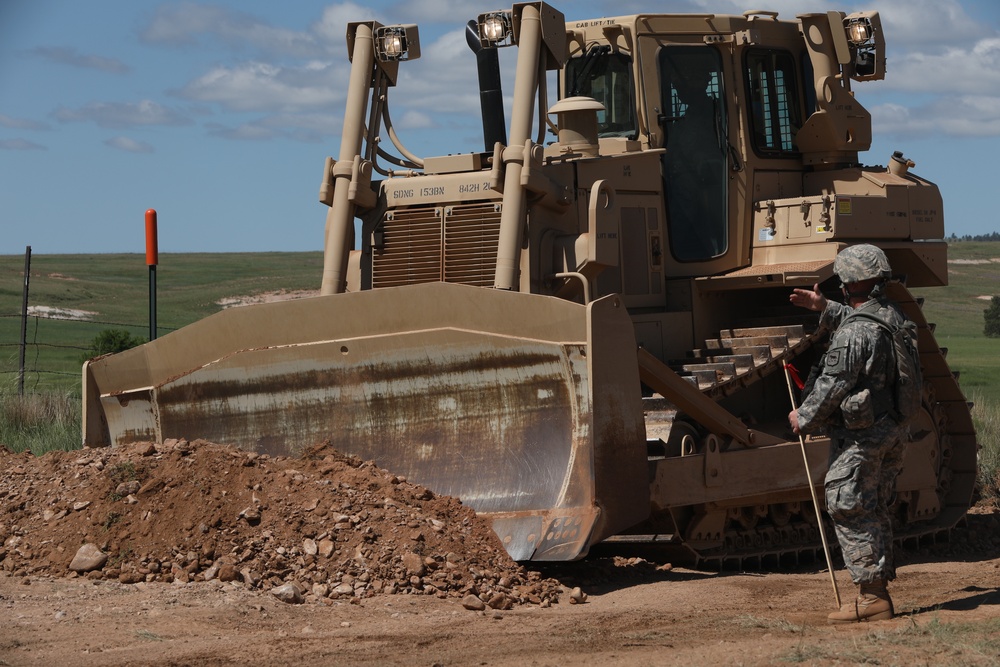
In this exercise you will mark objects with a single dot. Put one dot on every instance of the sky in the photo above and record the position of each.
(219, 115)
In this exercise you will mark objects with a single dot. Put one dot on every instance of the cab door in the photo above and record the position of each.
(701, 168)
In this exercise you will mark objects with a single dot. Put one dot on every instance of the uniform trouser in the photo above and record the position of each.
(860, 484)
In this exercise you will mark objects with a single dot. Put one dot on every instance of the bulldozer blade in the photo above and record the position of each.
(527, 408)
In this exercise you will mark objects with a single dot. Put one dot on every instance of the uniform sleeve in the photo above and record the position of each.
(843, 363)
(834, 314)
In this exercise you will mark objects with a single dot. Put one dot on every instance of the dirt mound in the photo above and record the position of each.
(331, 526)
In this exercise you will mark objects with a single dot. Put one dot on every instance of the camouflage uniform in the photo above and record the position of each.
(850, 401)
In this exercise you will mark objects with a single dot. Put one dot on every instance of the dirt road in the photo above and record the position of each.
(639, 617)
(386, 571)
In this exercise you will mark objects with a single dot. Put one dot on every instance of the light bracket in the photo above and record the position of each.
(395, 43)
(496, 29)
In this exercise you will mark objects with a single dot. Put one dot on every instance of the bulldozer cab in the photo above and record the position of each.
(741, 106)
(680, 104)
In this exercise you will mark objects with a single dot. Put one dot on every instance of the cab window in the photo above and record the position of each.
(606, 77)
(775, 106)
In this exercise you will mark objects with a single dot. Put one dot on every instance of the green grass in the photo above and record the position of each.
(986, 417)
(944, 644)
(957, 310)
(40, 422)
(116, 288)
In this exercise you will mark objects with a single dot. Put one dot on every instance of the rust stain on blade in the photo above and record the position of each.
(490, 420)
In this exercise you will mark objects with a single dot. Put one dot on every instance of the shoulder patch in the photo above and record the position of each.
(836, 359)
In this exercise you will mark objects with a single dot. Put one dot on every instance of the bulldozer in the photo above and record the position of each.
(580, 330)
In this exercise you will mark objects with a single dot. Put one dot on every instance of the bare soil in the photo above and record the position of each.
(207, 555)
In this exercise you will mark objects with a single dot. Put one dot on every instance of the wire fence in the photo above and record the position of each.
(54, 348)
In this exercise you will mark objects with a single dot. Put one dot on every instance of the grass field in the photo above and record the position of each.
(189, 286)
(115, 288)
(957, 310)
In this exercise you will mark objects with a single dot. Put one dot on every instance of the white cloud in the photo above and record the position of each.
(305, 127)
(123, 114)
(181, 23)
(129, 145)
(415, 120)
(443, 80)
(22, 123)
(259, 86)
(963, 116)
(954, 70)
(308, 126)
(187, 22)
(915, 24)
(20, 145)
(450, 12)
(72, 57)
(244, 132)
(331, 28)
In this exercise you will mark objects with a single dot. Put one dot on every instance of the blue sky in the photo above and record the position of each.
(220, 114)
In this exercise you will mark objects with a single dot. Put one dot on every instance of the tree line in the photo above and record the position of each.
(995, 236)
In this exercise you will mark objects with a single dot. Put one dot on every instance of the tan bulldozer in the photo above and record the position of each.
(580, 329)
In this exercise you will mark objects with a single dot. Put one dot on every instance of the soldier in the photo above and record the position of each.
(852, 401)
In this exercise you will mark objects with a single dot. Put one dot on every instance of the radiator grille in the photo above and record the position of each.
(456, 244)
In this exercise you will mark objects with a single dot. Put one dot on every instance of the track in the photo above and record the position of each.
(939, 467)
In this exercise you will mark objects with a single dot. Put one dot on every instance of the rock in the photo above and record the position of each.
(473, 603)
(288, 593)
(152, 486)
(414, 564)
(88, 558)
(326, 547)
(325, 523)
(84, 504)
(251, 515)
(213, 571)
(130, 577)
(577, 596)
(179, 573)
(127, 488)
(499, 601)
(250, 578)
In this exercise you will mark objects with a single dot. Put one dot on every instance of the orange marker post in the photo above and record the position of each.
(152, 259)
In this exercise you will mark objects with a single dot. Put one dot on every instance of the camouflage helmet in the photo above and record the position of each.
(861, 262)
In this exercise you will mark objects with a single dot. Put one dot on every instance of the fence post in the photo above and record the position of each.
(152, 260)
(24, 320)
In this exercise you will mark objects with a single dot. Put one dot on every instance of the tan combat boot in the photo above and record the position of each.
(872, 604)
